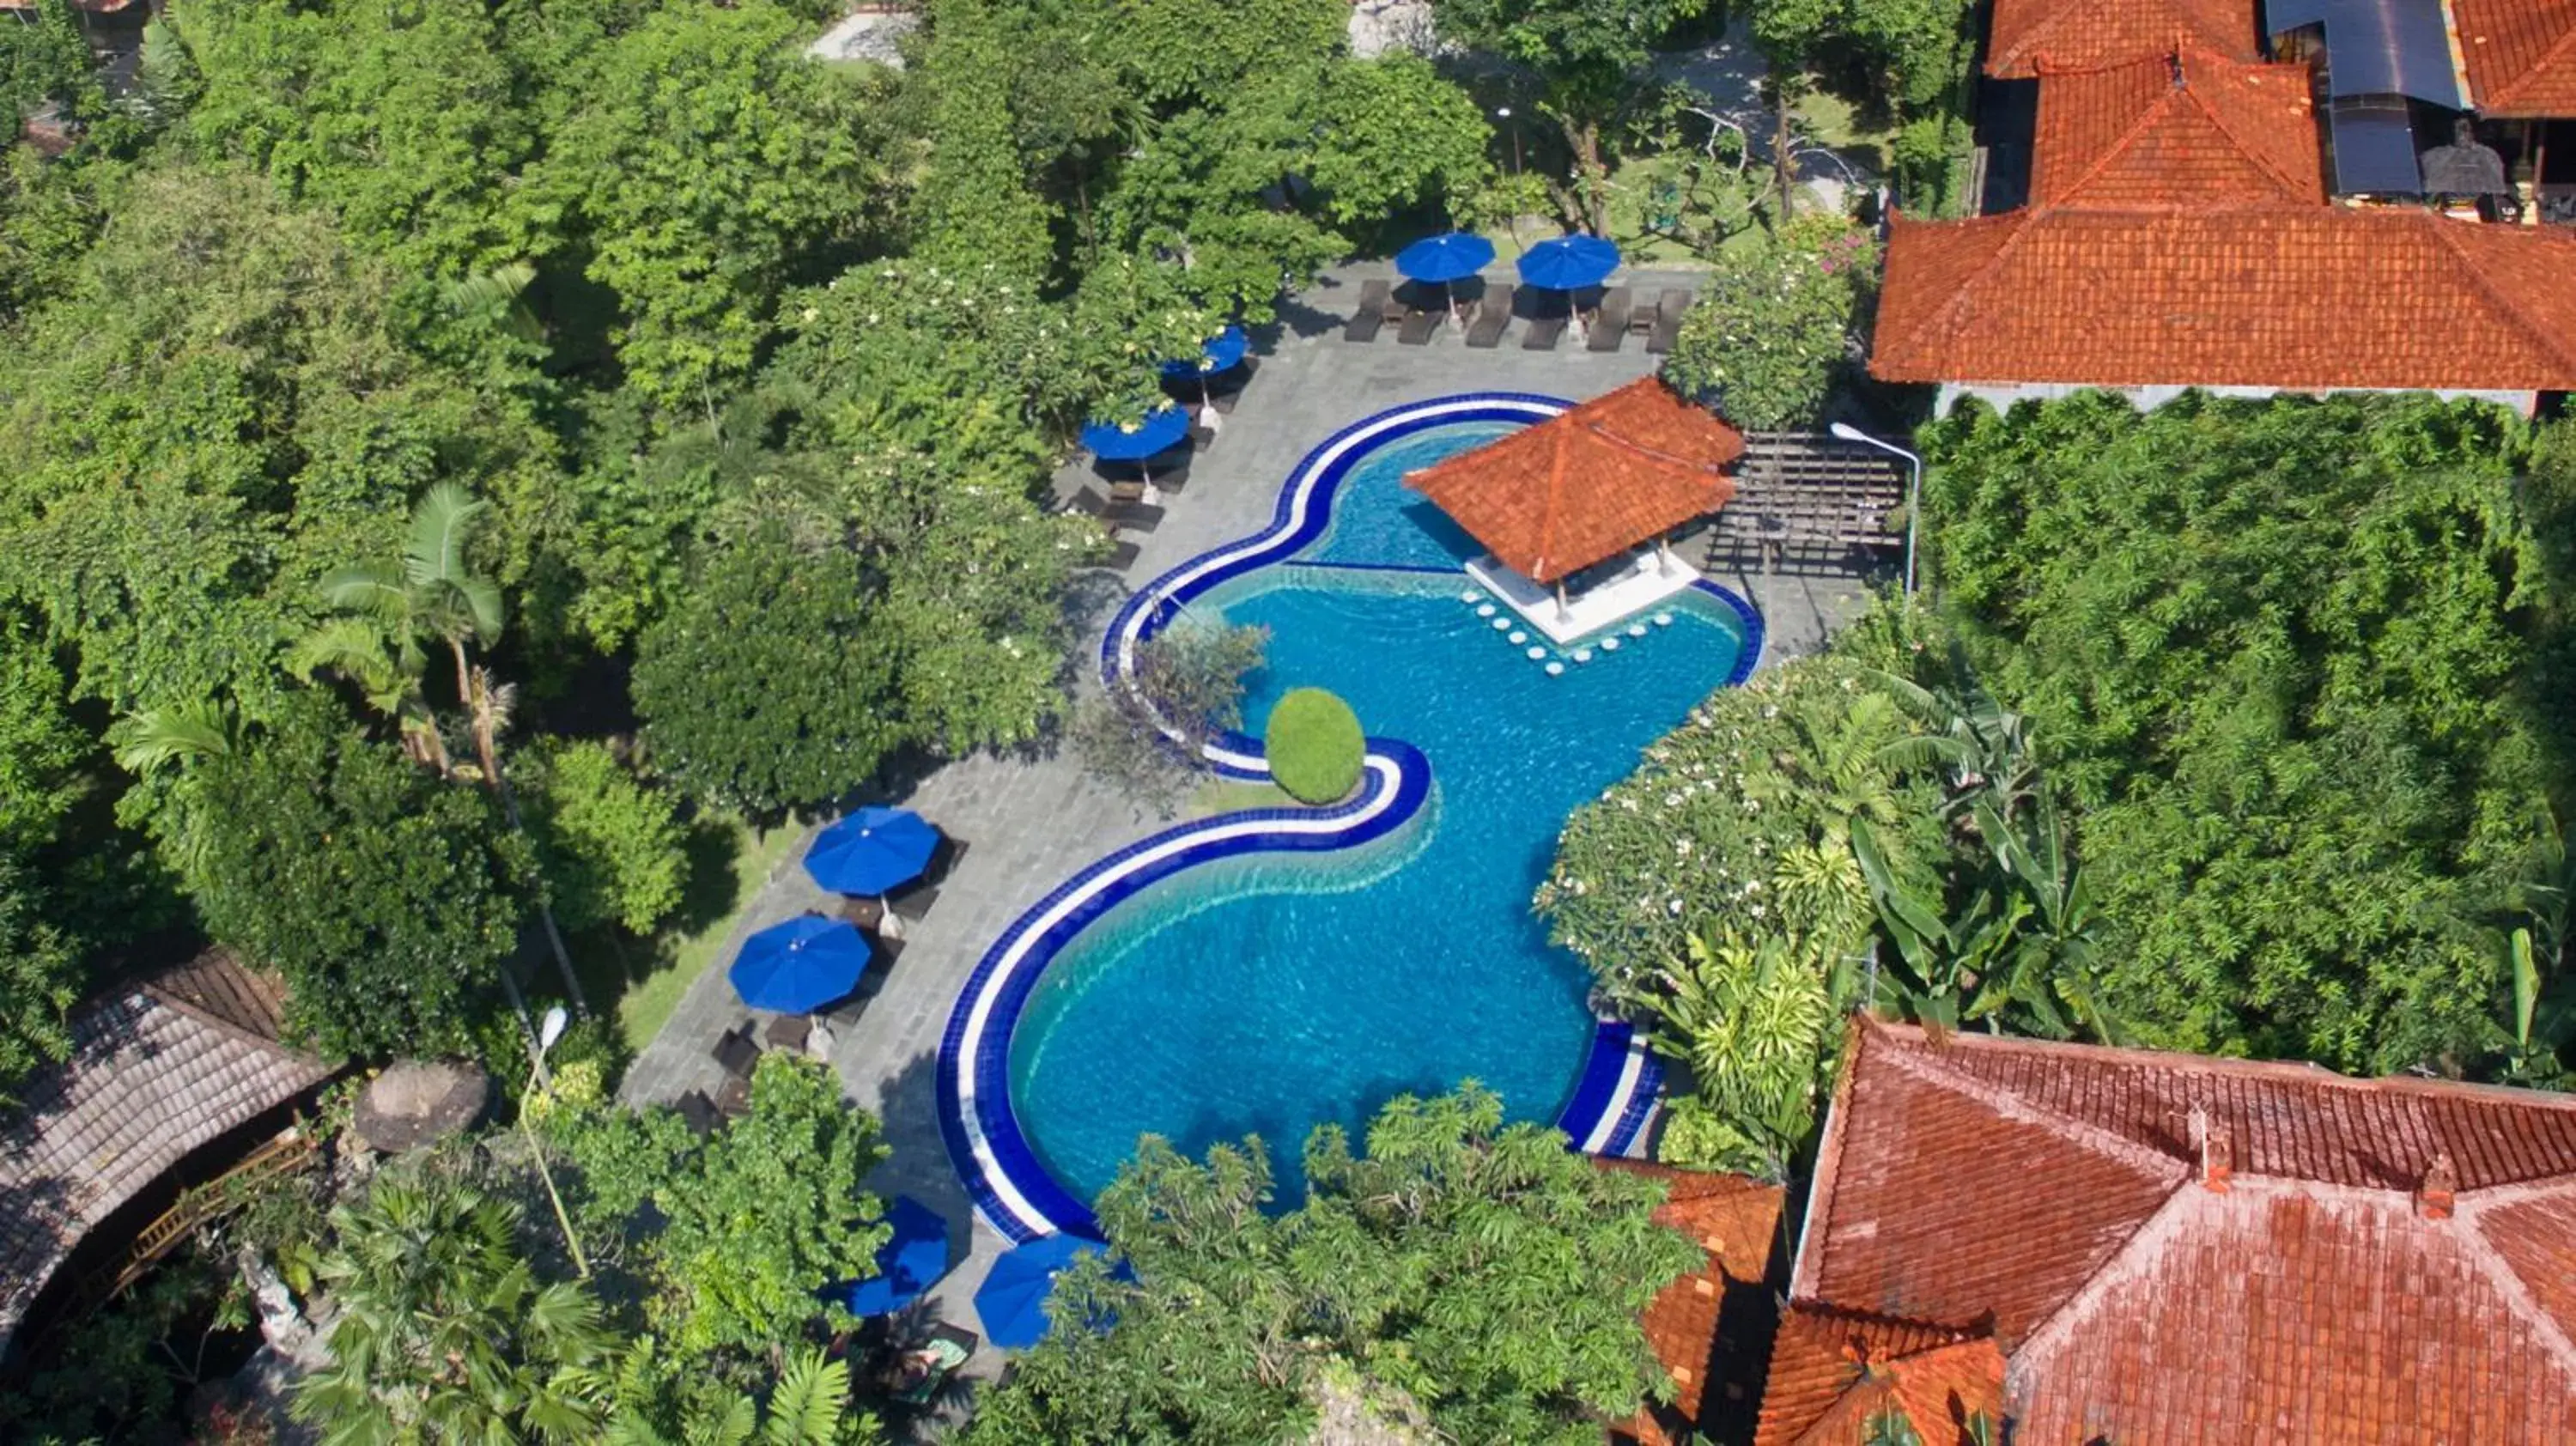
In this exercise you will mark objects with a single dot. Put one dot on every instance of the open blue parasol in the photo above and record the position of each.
(1012, 1300)
(801, 965)
(1161, 431)
(1564, 263)
(1221, 352)
(1443, 259)
(908, 1264)
(872, 851)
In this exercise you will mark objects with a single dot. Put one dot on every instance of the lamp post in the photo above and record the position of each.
(1913, 489)
(547, 1033)
(1503, 113)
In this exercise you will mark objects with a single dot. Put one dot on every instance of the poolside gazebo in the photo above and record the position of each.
(1597, 482)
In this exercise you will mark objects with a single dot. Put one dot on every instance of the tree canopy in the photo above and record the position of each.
(1478, 1274)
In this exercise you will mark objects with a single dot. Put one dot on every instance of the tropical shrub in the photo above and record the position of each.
(1314, 745)
(1774, 326)
(1479, 1273)
(610, 845)
(1182, 689)
(2283, 655)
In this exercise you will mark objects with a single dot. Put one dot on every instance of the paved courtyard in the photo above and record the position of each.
(1032, 820)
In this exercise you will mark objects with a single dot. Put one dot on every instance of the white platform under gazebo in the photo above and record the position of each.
(1648, 579)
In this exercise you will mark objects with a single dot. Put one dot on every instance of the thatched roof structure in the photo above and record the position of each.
(157, 1070)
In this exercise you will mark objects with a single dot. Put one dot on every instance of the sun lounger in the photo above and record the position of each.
(1137, 516)
(1121, 557)
(1419, 324)
(1610, 323)
(1492, 315)
(911, 907)
(1668, 322)
(1371, 315)
(1542, 332)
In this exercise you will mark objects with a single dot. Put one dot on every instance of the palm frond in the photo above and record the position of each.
(441, 522)
(371, 589)
(155, 738)
(805, 1410)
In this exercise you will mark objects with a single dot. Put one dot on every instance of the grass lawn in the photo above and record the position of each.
(728, 862)
(1228, 795)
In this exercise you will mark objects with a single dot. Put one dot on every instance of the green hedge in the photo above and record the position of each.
(1314, 745)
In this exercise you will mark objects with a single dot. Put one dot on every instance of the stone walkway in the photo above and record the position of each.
(1033, 820)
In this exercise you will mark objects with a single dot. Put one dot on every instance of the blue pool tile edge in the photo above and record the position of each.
(1615, 1094)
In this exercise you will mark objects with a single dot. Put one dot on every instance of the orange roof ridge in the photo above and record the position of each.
(2520, 55)
(2024, 37)
(2014, 224)
(2509, 1283)
(2297, 1071)
(2503, 299)
(2133, 130)
(2011, 1104)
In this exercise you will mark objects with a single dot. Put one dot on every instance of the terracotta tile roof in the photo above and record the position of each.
(1691, 1324)
(1833, 1372)
(1555, 498)
(2327, 1260)
(148, 1082)
(2185, 127)
(2283, 296)
(2026, 35)
(2521, 55)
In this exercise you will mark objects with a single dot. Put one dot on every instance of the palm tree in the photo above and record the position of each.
(808, 1406)
(1983, 749)
(442, 1332)
(390, 613)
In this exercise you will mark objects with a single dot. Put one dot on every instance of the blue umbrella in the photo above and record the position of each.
(1218, 353)
(1567, 262)
(872, 851)
(908, 1263)
(1013, 1298)
(801, 965)
(1122, 442)
(1443, 259)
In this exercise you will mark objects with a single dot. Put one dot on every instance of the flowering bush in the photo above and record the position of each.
(1772, 327)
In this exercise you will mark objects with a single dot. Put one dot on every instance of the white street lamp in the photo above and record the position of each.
(549, 1029)
(1913, 488)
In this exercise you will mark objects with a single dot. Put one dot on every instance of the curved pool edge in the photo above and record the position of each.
(1616, 1091)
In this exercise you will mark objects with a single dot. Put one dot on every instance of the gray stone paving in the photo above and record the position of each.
(1032, 820)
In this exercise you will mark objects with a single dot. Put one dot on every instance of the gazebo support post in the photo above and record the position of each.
(1564, 613)
(1664, 555)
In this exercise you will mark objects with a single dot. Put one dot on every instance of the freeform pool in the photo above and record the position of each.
(1269, 993)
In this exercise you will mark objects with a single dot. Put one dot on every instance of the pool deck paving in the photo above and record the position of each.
(1031, 819)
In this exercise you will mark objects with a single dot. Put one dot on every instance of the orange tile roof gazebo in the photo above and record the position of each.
(1584, 486)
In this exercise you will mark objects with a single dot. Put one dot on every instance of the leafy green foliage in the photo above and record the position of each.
(386, 898)
(443, 1332)
(1184, 687)
(708, 157)
(658, 1402)
(1314, 746)
(762, 1215)
(39, 979)
(611, 847)
(1775, 324)
(2279, 653)
(1483, 1274)
(768, 687)
(44, 61)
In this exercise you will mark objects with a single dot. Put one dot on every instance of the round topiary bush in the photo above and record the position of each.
(1314, 745)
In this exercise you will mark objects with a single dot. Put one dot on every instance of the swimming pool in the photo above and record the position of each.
(1266, 993)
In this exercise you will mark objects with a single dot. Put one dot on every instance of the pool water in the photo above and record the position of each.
(1304, 989)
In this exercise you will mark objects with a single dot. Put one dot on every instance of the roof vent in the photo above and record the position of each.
(2434, 1197)
(2217, 1150)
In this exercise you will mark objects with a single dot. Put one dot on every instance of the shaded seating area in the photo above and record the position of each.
(159, 1070)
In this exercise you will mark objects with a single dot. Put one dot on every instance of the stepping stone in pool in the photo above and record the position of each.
(1663, 620)
(1517, 638)
(1471, 595)
(1486, 611)
(1535, 653)
(1583, 655)
(1609, 645)
(1636, 630)
(1501, 623)
(1553, 669)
